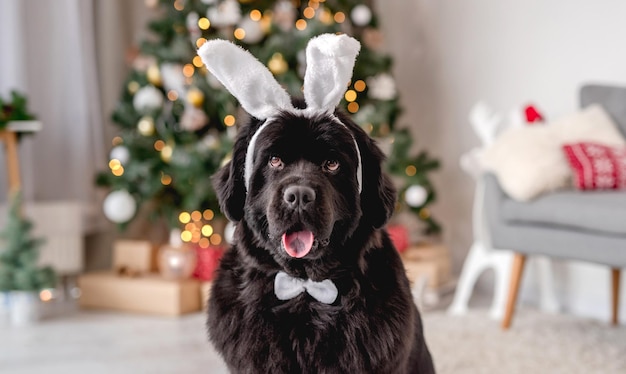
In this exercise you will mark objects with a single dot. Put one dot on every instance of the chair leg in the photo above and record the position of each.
(615, 278)
(516, 276)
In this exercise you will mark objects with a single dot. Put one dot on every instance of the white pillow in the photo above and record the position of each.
(529, 161)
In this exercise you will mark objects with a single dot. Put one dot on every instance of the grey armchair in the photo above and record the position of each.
(588, 226)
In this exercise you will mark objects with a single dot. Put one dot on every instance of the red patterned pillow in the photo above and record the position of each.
(597, 166)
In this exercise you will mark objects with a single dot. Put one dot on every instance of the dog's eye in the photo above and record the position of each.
(331, 165)
(276, 162)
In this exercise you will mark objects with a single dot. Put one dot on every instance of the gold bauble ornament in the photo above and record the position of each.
(277, 64)
(154, 75)
(133, 87)
(195, 97)
(145, 126)
(166, 153)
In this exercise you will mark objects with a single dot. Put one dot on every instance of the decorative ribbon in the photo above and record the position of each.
(287, 287)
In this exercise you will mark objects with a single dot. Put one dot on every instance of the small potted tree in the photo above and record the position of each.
(21, 279)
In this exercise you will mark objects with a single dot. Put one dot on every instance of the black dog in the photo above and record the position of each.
(302, 216)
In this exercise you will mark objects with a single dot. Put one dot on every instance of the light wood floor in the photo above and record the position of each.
(71, 341)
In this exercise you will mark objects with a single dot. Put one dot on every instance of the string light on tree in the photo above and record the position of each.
(410, 170)
(360, 85)
(166, 180)
(145, 126)
(277, 64)
(166, 153)
(116, 167)
(204, 23)
(301, 24)
(308, 12)
(255, 15)
(229, 120)
(353, 107)
(172, 95)
(184, 217)
(350, 95)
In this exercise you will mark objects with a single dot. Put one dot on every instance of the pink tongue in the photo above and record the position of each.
(298, 244)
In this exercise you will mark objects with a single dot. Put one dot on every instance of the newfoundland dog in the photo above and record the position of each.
(312, 283)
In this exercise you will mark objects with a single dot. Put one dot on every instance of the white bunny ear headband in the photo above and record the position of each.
(330, 60)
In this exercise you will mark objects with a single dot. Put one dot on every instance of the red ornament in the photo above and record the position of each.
(208, 259)
(399, 236)
(532, 114)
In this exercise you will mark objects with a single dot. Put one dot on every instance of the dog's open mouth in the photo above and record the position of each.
(299, 243)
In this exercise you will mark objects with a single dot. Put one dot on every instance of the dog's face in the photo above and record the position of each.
(303, 200)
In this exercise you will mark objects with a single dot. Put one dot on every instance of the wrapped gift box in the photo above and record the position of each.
(429, 261)
(148, 293)
(136, 256)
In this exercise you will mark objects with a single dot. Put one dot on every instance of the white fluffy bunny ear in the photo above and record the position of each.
(246, 78)
(330, 59)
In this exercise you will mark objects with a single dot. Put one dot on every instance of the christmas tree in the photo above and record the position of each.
(177, 123)
(19, 252)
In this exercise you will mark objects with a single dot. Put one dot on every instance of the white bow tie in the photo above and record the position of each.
(287, 287)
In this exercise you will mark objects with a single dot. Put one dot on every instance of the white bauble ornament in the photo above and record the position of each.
(147, 98)
(120, 153)
(229, 232)
(209, 2)
(253, 29)
(173, 78)
(210, 141)
(415, 196)
(192, 22)
(227, 13)
(119, 206)
(284, 15)
(193, 118)
(382, 87)
(361, 15)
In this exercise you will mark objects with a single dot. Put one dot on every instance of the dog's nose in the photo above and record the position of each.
(298, 196)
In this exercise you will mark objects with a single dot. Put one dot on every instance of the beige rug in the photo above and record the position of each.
(536, 343)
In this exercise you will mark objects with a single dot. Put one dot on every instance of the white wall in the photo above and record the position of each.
(451, 54)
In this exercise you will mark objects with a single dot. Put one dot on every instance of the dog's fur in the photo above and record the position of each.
(373, 326)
